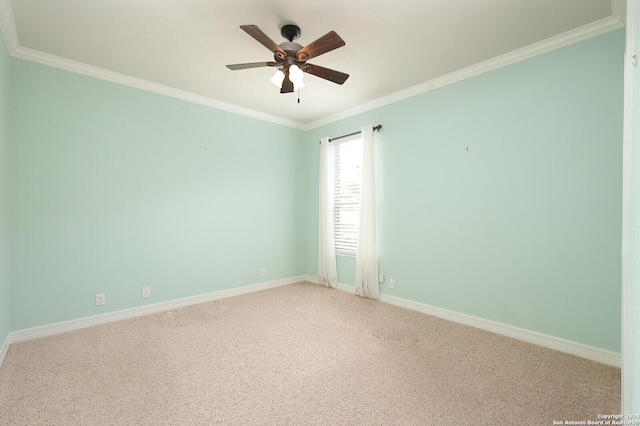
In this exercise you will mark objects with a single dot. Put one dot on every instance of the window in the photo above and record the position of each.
(346, 203)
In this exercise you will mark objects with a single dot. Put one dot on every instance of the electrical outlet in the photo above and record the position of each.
(100, 299)
(146, 292)
(264, 272)
(380, 278)
(392, 283)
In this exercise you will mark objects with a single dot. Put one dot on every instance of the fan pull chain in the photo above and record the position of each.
(298, 95)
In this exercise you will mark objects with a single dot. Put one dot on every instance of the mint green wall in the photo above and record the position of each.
(524, 228)
(114, 188)
(4, 190)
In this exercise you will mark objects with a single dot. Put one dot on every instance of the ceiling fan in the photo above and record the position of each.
(291, 58)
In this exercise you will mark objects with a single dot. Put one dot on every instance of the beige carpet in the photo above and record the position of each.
(297, 355)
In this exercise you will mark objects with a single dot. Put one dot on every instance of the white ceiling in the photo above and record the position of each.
(390, 45)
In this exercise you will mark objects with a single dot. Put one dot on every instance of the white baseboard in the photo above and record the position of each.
(342, 287)
(3, 349)
(578, 349)
(562, 345)
(62, 327)
(311, 279)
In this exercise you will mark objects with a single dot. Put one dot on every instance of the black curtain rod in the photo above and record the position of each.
(378, 127)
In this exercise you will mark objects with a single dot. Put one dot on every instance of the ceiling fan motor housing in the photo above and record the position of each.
(290, 48)
(290, 32)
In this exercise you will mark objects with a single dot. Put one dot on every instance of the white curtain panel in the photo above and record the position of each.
(367, 255)
(327, 270)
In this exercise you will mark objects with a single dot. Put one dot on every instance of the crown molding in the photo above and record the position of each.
(573, 36)
(8, 26)
(115, 77)
(619, 10)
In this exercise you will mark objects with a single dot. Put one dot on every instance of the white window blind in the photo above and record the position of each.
(348, 175)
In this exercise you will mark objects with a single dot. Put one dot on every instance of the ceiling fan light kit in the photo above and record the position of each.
(277, 79)
(291, 58)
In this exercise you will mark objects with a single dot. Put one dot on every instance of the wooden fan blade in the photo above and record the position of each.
(264, 39)
(324, 44)
(326, 73)
(287, 84)
(236, 67)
